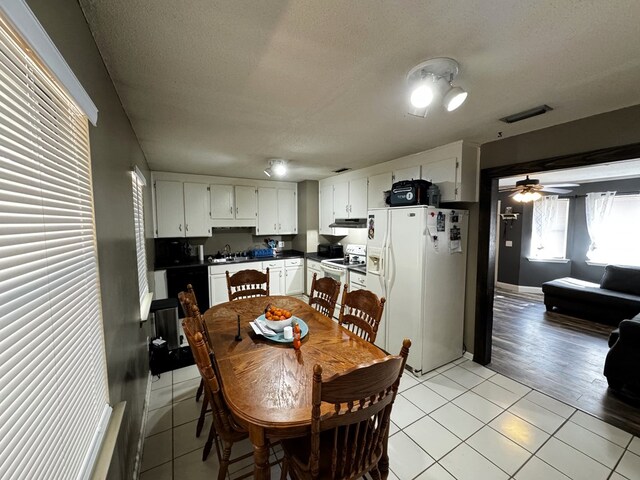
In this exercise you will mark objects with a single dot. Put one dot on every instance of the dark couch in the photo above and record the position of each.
(616, 298)
(623, 360)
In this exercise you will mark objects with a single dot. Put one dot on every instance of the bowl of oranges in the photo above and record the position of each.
(277, 318)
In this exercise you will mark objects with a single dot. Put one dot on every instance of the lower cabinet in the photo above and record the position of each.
(294, 276)
(312, 267)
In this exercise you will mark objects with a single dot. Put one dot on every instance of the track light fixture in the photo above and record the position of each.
(430, 80)
(277, 167)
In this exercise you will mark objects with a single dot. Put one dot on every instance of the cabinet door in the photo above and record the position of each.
(326, 209)
(294, 280)
(378, 184)
(341, 200)
(196, 210)
(276, 280)
(221, 202)
(245, 203)
(267, 211)
(444, 173)
(218, 292)
(411, 173)
(169, 209)
(287, 211)
(358, 198)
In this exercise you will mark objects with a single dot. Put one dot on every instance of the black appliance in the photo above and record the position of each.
(409, 192)
(172, 251)
(330, 250)
(198, 276)
(349, 223)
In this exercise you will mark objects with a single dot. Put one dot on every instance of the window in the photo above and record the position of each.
(549, 228)
(138, 184)
(53, 380)
(619, 239)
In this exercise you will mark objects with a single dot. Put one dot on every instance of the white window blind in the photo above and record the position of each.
(53, 383)
(549, 228)
(138, 184)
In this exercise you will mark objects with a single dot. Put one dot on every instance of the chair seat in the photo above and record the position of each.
(299, 450)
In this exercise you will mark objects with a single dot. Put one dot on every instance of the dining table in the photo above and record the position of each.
(267, 385)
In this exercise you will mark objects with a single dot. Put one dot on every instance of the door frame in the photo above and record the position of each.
(488, 192)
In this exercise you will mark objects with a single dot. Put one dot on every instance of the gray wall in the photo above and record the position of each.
(114, 150)
(513, 266)
(308, 217)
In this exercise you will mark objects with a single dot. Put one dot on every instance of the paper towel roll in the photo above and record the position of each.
(201, 253)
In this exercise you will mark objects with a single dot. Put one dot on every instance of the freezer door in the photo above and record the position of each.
(377, 221)
(405, 281)
(377, 224)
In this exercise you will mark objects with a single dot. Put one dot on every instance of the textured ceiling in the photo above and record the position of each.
(218, 87)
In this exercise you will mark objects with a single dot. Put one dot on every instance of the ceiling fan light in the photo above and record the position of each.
(518, 197)
(536, 196)
(422, 95)
(454, 98)
(279, 169)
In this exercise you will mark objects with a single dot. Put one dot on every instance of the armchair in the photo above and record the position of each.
(622, 365)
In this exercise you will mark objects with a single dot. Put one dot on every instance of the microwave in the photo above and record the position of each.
(330, 250)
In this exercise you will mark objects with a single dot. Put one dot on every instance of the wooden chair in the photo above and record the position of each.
(324, 295)
(224, 427)
(361, 312)
(350, 439)
(190, 295)
(247, 284)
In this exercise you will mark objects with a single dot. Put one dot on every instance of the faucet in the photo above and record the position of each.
(227, 250)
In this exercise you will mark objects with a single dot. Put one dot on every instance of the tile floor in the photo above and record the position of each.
(461, 421)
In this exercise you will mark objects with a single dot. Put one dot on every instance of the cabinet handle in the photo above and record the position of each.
(275, 227)
(236, 210)
(186, 227)
(279, 227)
(180, 227)
(230, 209)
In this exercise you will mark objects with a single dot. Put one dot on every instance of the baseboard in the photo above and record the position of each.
(143, 430)
(468, 355)
(518, 288)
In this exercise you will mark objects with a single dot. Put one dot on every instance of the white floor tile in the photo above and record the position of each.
(186, 373)
(477, 406)
(635, 445)
(571, 462)
(432, 437)
(536, 415)
(158, 420)
(464, 463)
(428, 375)
(185, 390)
(445, 367)
(589, 443)
(460, 360)
(521, 432)
(160, 397)
(478, 369)
(611, 433)
(185, 440)
(408, 380)
(404, 412)
(557, 407)
(392, 476)
(157, 450)
(393, 428)
(424, 398)
(496, 394)
(629, 466)
(499, 449)
(617, 476)
(406, 458)
(536, 469)
(191, 466)
(186, 411)
(463, 376)
(445, 387)
(456, 420)
(435, 472)
(162, 380)
(162, 472)
(511, 385)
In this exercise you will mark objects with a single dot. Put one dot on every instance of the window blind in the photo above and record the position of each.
(53, 383)
(138, 183)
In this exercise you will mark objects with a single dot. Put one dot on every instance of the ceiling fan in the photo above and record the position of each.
(529, 189)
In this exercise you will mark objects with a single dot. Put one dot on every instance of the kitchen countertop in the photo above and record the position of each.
(197, 263)
(316, 258)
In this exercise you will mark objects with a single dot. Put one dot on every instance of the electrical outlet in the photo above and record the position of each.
(280, 244)
(508, 243)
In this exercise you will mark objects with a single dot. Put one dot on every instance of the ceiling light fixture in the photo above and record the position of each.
(432, 79)
(277, 167)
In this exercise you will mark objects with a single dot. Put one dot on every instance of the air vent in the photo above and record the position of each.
(532, 112)
(340, 170)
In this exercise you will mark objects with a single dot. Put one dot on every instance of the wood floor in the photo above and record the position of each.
(559, 355)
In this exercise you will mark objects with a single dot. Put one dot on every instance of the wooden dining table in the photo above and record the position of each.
(267, 385)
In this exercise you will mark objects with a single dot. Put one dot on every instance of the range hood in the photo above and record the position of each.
(349, 223)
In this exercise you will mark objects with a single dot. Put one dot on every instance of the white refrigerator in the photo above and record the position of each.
(416, 259)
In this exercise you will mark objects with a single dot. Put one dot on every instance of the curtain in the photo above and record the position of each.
(544, 214)
(597, 207)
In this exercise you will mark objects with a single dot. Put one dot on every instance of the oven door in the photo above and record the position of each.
(339, 274)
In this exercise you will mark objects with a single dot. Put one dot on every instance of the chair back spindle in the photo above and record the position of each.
(361, 313)
(324, 294)
(247, 284)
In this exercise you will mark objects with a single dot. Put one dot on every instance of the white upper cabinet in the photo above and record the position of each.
(196, 210)
(410, 173)
(341, 200)
(358, 198)
(277, 211)
(454, 170)
(246, 208)
(221, 202)
(378, 184)
(169, 209)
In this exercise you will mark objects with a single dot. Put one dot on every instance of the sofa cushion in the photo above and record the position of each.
(621, 279)
(586, 292)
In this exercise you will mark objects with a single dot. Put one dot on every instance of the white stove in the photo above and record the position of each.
(337, 268)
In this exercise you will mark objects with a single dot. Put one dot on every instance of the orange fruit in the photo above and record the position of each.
(287, 315)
